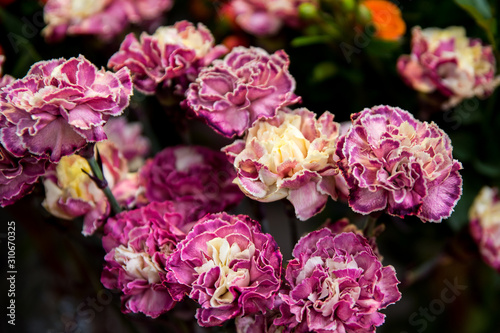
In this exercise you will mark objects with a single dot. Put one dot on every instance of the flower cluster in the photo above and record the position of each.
(191, 172)
(230, 267)
(103, 18)
(247, 85)
(165, 219)
(484, 216)
(290, 156)
(138, 244)
(172, 56)
(393, 162)
(447, 62)
(337, 284)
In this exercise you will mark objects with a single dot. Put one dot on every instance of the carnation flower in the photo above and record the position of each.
(172, 56)
(484, 216)
(138, 243)
(337, 284)
(59, 106)
(247, 85)
(191, 172)
(290, 156)
(446, 61)
(230, 267)
(263, 18)
(18, 175)
(128, 139)
(104, 18)
(393, 162)
(4, 79)
(70, 192)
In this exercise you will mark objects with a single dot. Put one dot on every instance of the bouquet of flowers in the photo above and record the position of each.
(250, 166)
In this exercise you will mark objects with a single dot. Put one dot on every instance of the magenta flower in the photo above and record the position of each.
(484, 216)
(191, 172)
(172, 56)
(393, 162)
(337, 284)
(59, 106)
(446, 61)
(18, 175)
(290, 156)
(263, 18)
(138, 243)
(103, 18)
(128, 139)
(247, 85)
(70, 192)
(230, 267)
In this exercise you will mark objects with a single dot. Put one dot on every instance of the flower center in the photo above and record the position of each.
(85, 8)
(71, 178)
(190, 38)
(283, 143)
(221, 254)
(138, 264)
(469, 57)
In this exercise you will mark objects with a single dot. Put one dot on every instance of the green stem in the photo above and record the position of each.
(292, 222)
(369, 227)
(96, 170)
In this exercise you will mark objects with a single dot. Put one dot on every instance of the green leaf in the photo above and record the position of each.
(381, 48)
(481, 11)
(487, 169)
(323, 71)
(310, 40)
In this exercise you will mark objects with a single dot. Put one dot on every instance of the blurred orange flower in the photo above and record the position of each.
(387, 19)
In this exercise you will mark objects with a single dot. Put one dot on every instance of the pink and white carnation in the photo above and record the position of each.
(247, 85)
(60, 106)
(265, 17)
(127, 137)
(484, 216)
(138, 244)
(18, 175)
(172, 56)
(4, 79)
(230, 267)
(290, 156)
(398, 164)
(446, 61)
(71, 193)
(196, 172)
(103, 18)
(337, 284)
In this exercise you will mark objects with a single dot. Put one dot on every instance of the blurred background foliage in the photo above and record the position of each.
(59, 269)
